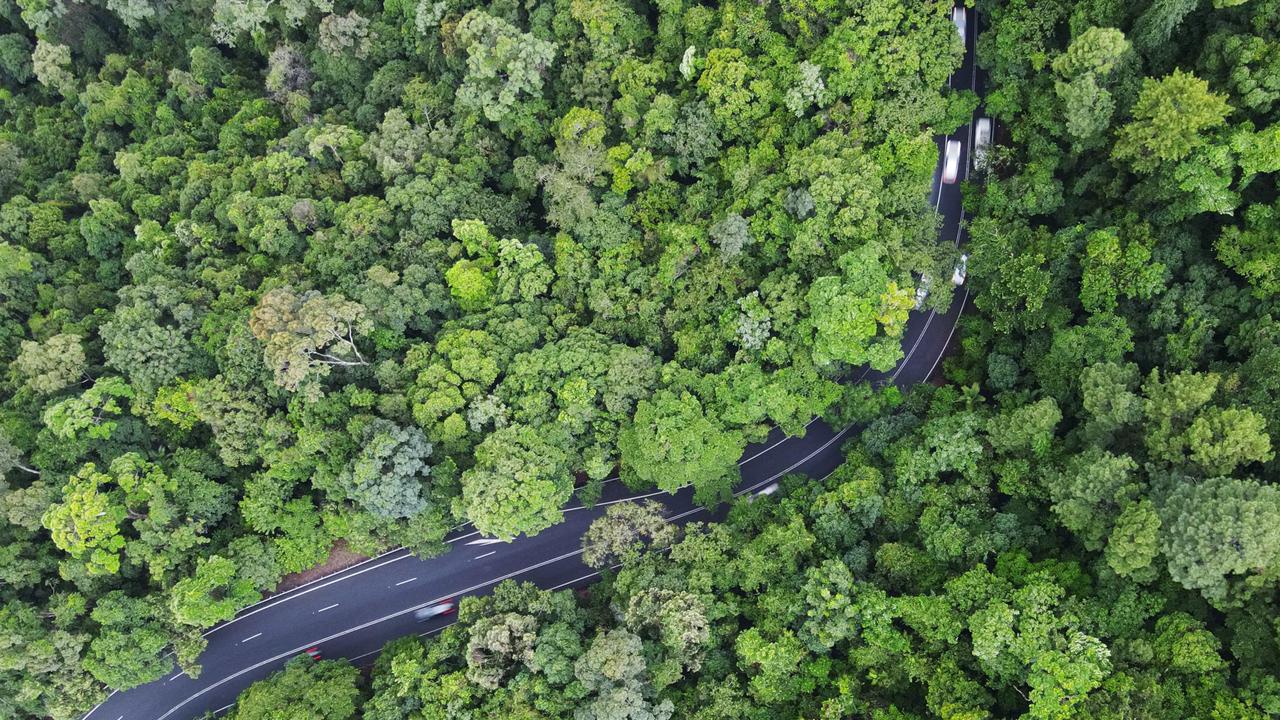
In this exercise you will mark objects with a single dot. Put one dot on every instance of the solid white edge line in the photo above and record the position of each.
(477, 586)
(367, 624)
(323, 582)
(553, 588)
(346, 573)
(289, 594)
(950, 334)
(283, 594)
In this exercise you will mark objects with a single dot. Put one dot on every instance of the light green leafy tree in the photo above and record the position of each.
(307, 335)
(1085, 78)
(1113, 270)
(1091, 490)
(1251, 249)
(86, 522)
(130, 647)
(1170, 120)
(50, 366)
(95, 413)
(519, 482)
(504, 66)
(1222, 439)
(1222, 537)
(212, 594)
(1135, 541)
(672, 443)
(774, 665)
(324, 690)
(387, 475)
(1025, 430)
(859, 316)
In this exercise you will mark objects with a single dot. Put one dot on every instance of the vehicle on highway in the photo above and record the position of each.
(981, 143)
(769, 489)
(922, 290)
(960, 16)
(962, 270)
(951, 162)
(444, 607)
(314, 652)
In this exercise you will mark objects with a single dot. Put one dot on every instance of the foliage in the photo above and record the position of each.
(324, 690)
(274, 274)
(624, 531)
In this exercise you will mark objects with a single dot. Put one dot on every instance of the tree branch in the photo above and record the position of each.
(328, 359)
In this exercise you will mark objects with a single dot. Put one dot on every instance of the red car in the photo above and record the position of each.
(314, 652)
(444, 607)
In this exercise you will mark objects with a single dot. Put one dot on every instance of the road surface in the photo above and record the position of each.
(352, 614)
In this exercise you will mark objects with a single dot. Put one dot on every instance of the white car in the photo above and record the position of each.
(981, 142)
(960, 16)
(444, 607)
(922, 290)
(961, 271)
(769, 489)
(951, 162)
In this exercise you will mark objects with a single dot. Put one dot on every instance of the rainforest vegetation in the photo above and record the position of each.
(279, 275)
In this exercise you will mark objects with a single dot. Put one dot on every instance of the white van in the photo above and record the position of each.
(982, 130)
(951, 162)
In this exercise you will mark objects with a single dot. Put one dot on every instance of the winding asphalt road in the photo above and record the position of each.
(352, 614)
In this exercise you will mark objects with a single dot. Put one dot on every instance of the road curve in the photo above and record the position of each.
(353, 613)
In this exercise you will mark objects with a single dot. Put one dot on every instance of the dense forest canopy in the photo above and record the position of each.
(280, 274)
(1084, 522)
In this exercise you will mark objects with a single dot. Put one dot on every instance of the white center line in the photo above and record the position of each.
(406, 581)
(492, 552)
(328, 607)
(251, 637)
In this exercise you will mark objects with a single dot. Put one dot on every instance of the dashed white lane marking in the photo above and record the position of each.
(973, 82)
(175, 677)
(319, 583)
(473, 588)
(491, 552)
(328, 607)
(402, 582)
(309, 588)
(362, 626)
(485, 541)
(288, 595)
(251, 637)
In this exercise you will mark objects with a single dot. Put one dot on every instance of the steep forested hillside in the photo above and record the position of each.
(1085, 523)
(278, 274)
